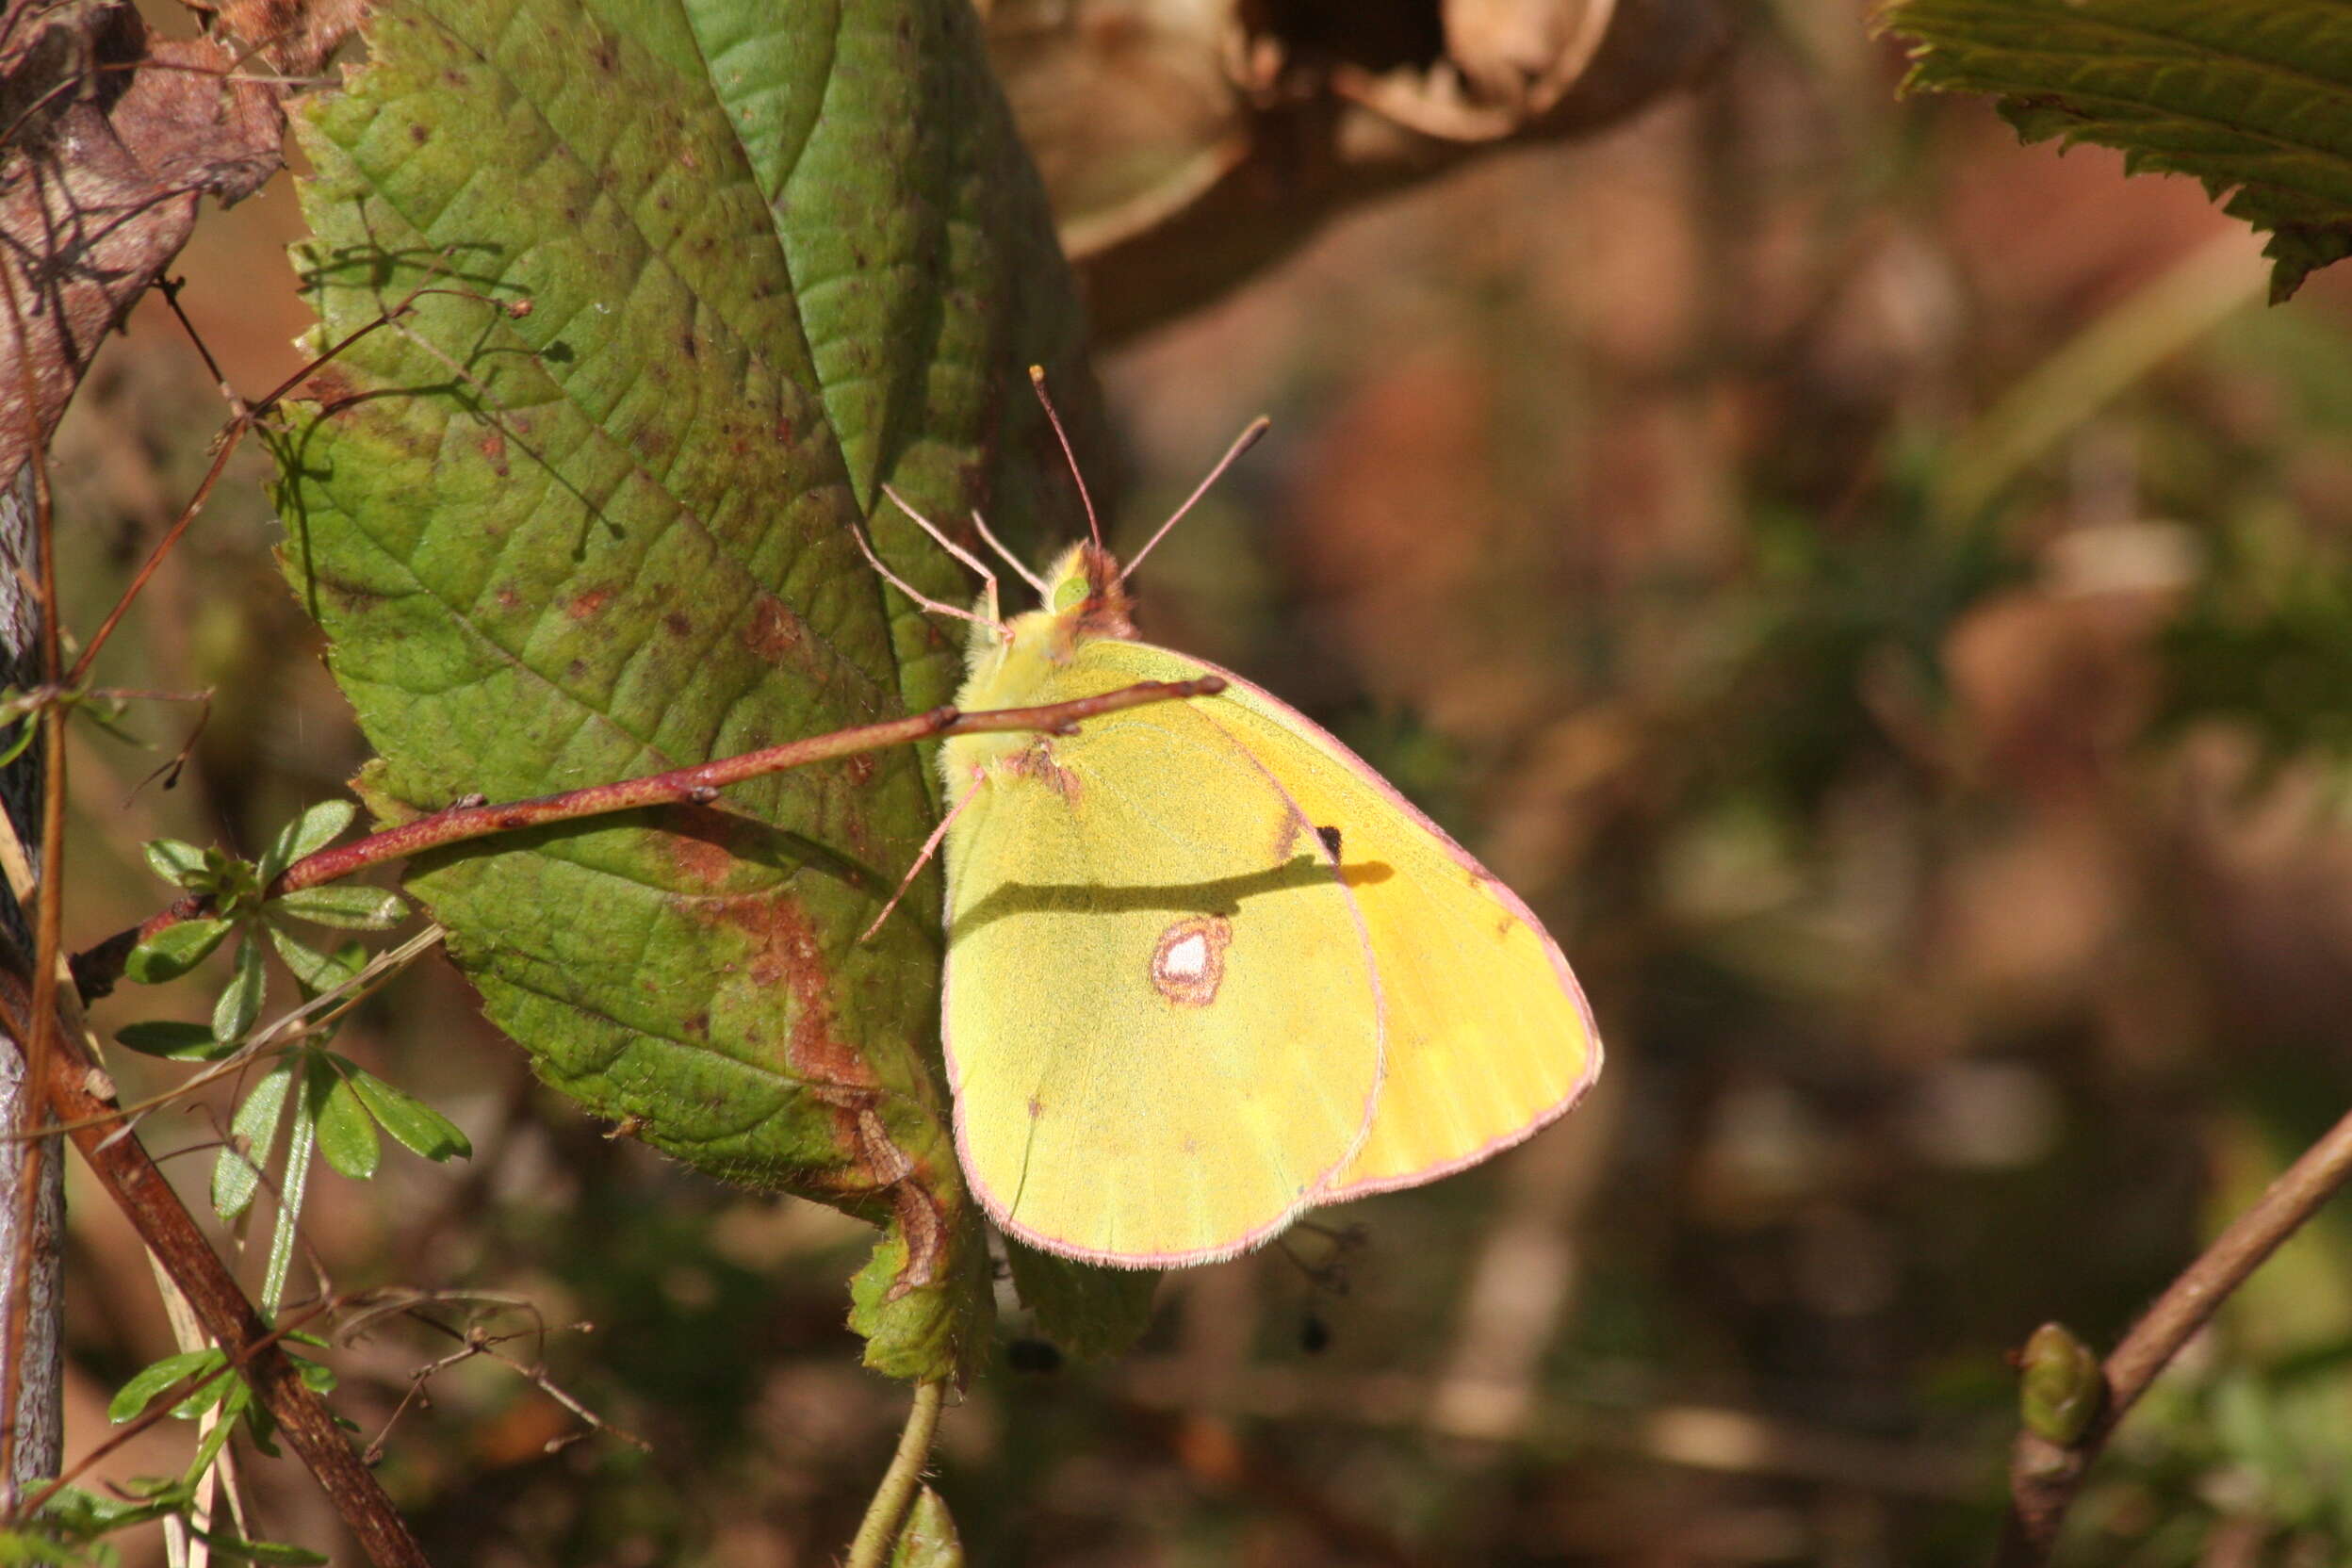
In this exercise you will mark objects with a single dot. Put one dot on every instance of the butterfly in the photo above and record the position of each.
(1206, 969)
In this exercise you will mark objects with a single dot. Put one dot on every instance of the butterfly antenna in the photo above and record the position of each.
(924, 601)
(1037, 379)
(1242, 443)
(1009, 558)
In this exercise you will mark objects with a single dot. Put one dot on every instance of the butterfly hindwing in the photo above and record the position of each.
(1163, 1027)
(1487, 1034)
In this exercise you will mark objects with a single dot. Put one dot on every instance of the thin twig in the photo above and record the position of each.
(700, 784)
(871, 1548)
(476, 1339)
(694, 786)
(2043, 1475)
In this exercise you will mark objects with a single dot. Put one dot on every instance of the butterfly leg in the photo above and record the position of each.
(987, 577)
(924, 601)
(922, 859)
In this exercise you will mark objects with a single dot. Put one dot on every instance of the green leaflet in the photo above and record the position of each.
(773, 256)
(2254, 100)
(1092, 1314)
(928, 1538)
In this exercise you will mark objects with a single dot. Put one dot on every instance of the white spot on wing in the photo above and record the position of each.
(1188, 961)
(1186, 958)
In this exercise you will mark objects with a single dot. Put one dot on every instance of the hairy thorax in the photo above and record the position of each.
(1027, 665)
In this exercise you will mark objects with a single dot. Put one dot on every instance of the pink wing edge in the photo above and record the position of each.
(1316, 1195)
(1511, 902)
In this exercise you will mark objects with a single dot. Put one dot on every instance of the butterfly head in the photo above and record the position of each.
(1086, 594)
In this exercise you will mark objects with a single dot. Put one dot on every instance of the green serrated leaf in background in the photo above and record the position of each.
(1088, 1313)
(2255, 101)
(774, 256)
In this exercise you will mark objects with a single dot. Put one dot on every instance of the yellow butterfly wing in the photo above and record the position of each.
(1161, 1023)
(1487, 1034)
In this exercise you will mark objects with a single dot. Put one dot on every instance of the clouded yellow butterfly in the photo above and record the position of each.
(1205, 969)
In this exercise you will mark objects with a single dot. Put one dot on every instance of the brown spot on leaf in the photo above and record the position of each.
(331, 388)
(678, 624)
(585, 604)
(494, 452)
(785, 952)
(702, 846)
(787, 955)
(921, 1222)
(860, 770)
(777, 635)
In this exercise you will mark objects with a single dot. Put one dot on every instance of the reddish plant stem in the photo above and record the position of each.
(696, 784)
(77, 1092)
(2044, 1477)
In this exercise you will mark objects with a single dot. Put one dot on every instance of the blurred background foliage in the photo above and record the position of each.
(1879, 590)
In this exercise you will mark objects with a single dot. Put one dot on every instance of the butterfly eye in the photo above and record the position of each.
(1069, 592)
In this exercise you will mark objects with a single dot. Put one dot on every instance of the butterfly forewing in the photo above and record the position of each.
(1163, 1027)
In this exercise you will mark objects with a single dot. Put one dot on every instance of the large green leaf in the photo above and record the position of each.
(2254, 100)
(773, 256)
